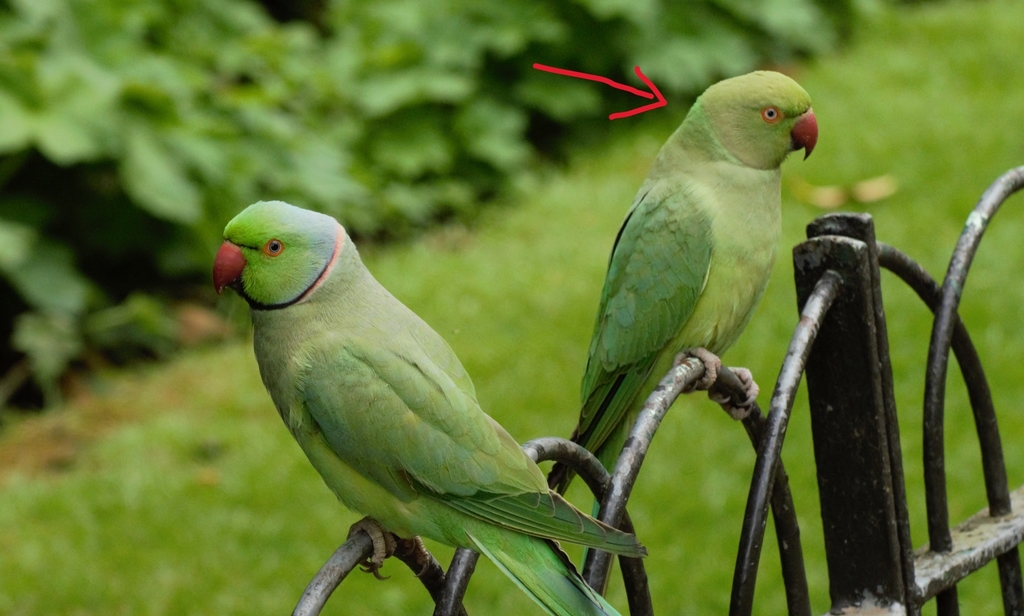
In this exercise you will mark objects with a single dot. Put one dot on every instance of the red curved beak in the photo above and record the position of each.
(227, 266)
(805, 133)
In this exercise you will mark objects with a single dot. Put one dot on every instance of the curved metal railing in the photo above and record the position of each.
(613, 491)
(769, 483)
(939, 537)
(773, 433)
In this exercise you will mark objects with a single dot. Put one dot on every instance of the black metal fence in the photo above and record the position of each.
(841, 344)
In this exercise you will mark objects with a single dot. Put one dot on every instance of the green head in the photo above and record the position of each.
(275, 254)
(760, 117)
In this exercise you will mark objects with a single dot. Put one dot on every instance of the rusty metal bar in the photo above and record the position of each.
(849, 423)
(577, 458)
(422, 563)
(634, 578)
(993, 465)
(787, 530)
(770, 447)
(787, 527)
(350, 555)
(939, 535)
(894, 609)
(338, 566)
(974, 376)
(627, 467)
(459, 571)
(861, 227)
(598, 563)
(980, 539)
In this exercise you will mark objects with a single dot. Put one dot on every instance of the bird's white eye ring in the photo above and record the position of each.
(771, 114)
(273, 247)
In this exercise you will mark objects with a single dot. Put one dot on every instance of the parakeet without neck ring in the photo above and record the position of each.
(387, 415)
(695, 251)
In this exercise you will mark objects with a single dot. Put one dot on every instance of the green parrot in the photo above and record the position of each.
(387, 415)
(694, 254)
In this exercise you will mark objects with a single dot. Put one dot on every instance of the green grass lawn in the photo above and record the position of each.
(174, 489)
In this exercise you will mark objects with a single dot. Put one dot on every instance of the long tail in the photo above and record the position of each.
(543, 571)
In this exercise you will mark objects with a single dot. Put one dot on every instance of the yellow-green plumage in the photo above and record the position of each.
(388, 416)
(694, 254)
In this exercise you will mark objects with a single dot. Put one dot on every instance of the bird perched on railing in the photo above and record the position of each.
(388, 416)
(694, 254)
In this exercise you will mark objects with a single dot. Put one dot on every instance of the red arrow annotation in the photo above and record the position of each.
(618, 86)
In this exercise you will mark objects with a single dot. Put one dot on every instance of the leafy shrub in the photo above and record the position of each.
(131, 130)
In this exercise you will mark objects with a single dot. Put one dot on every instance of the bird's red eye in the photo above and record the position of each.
(771, 115)
(273, 247)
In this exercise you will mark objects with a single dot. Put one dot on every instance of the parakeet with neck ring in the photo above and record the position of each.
(386, 413)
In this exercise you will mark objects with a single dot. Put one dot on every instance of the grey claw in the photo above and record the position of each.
(738, 410)
(712, 364)
(383, 544)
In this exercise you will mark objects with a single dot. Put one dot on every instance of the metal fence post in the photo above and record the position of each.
(862, 227)
(850, 428)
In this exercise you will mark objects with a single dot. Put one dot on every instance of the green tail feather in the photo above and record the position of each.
(544, 572)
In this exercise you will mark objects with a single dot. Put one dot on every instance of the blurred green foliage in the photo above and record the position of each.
(132, 130)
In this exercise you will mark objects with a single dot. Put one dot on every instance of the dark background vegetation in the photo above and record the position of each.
(132, 130)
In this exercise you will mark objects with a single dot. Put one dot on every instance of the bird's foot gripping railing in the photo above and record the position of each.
(612, 490)
(842, 344)
(448, 589)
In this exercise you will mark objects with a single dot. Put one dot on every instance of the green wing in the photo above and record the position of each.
(392, 414)
(656, 272)
(389, 411)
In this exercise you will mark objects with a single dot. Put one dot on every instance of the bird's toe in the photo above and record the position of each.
(738, 410)
(712, 365)
(384, 544)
